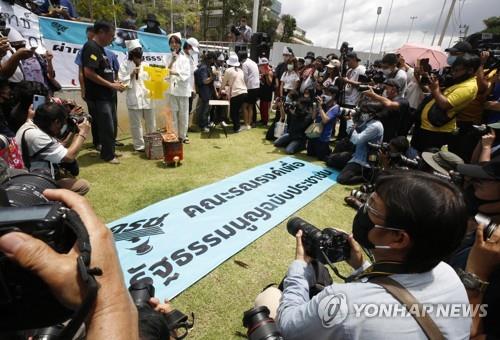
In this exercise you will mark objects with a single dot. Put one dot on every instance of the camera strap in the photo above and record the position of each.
(86, 273)
(380, 269)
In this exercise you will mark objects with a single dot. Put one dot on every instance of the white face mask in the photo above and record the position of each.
(364, 117)
(326, 98)
(386, 71)
(63, 129)
(307, 62)
(289, 67)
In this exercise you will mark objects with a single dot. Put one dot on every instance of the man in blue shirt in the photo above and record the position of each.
(320, 147)
(62, 9)
(367, 130)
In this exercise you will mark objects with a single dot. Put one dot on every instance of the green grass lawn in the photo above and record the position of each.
(219, 299)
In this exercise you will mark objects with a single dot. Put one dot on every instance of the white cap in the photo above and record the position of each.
(15, 36)
(334, 63)
(193, 42)
(286, 50)
(263, 61)
(132, 44)
(177, 34)
(233, 60)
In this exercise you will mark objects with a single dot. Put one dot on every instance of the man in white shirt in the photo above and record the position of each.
(252, 81)
(179, 89)
(42, 151)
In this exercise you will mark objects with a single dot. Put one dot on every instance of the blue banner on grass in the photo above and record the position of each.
(176, 242)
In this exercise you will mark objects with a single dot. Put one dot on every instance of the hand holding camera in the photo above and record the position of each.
(488, 139)
(484, 256)
(84, 128)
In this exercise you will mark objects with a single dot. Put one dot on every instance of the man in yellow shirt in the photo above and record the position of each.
(438, 116)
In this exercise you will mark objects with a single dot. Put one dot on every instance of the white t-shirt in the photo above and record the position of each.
(37, 140)
(352, 94)
(251, 71)
(290, 79)
(235, 79)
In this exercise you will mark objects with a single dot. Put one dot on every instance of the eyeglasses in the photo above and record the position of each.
(368, 207)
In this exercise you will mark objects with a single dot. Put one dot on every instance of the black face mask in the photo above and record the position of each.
(473, 203)
(361, 226)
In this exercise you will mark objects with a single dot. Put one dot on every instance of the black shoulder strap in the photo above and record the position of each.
(25, 151)
(402, 294)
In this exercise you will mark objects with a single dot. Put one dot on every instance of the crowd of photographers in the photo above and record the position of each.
(422, 142)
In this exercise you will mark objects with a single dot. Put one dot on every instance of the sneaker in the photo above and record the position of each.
(114, 161)
(224, 124)
(206, 130)
(211, 125)
(243, 128)
(117, 143)
(248, 127)
(140, 150)
(186, 141)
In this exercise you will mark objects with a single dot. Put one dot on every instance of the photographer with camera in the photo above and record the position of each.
(410, 224)
(11, 66)
(395, 111)
(44, 153)
(437, 115)
(112, 315)
(324, 117)
(62, 9)
(366, 129)
(296, 110)
(391, 70)
(464, 141)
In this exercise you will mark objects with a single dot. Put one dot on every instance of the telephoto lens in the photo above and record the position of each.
(260, 325)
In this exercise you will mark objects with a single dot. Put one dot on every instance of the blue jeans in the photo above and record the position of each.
(103, 114)
(203, 110)
(290, 144)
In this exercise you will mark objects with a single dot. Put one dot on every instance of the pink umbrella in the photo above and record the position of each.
(414, 52)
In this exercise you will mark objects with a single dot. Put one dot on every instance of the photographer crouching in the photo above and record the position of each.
(410, 224)
(44, 153)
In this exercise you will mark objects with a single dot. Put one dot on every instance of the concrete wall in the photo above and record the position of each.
(301, 51)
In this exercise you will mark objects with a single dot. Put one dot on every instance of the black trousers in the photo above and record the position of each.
(236, 103)
(103, 113)
(318, 149)
(424, 140)
(353, 173)
(463, 143)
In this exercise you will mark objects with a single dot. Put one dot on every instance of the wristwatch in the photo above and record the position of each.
(472, 281)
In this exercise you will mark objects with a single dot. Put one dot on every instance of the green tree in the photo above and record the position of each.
(492, 25)
(98, 9)
(289, 26)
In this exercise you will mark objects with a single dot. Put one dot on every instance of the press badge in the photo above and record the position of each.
(93, 57)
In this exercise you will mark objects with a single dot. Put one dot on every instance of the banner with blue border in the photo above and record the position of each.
(176, 242)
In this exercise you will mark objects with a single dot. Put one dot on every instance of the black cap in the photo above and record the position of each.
(152, 17)
(310, 55)
(393, 82)
(352, 55)
(489, 170)
(461, 46)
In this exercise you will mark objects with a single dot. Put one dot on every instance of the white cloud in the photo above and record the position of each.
(321, 18)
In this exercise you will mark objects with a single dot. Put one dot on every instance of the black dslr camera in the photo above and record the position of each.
(26, 301)
(73, 121)
(319, 244)
(154, 323)
(480, 130)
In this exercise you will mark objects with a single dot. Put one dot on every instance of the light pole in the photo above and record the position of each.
(411, 26)
(340, 26)
(423, 38)
(437, 24)
(379, 10)
(385, 28)
(171, 16)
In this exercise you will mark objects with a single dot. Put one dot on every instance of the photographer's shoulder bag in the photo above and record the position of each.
(52, 172)
(401, 294)
(314, 130)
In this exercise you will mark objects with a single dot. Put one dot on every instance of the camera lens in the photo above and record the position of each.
(25, 190)
(260, 326)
